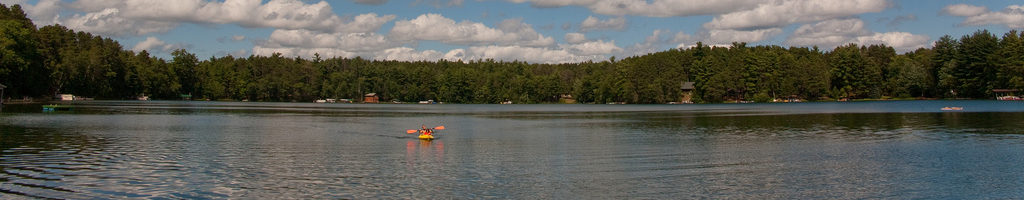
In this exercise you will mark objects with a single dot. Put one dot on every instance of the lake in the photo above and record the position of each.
(833, 150)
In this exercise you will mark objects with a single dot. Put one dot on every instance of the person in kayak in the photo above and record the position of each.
(426, 131)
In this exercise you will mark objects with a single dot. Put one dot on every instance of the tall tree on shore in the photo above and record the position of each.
(21, 67)
(977, 70)
(186, 66)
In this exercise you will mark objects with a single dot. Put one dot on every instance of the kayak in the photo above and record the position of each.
(56, 107)
(426, 137)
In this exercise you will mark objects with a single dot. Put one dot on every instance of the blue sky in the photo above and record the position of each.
(539, 31)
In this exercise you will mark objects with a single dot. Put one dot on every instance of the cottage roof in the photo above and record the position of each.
(688, 85)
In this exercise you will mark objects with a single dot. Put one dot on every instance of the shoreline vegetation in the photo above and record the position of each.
(43, 62)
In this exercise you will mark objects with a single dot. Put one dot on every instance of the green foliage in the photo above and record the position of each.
(54, 59)
(761, 98)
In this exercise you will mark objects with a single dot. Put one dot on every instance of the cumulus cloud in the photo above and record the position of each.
(109, 17)
(155, 45)
(592, 48)
(833, 33)
(723, 38)
(303, 52)
(506, 53)
(592, 24)
(575, 38)
(44, 11)
(729, 36)
(350, 42)
(528, 54)
(112, 23)
(439, 28)
(964, 10)
(508, 40)
(655, 8)
(410, 54)
(785, 12)
(1012, 16)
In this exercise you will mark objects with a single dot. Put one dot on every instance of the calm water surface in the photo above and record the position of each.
(173, 150)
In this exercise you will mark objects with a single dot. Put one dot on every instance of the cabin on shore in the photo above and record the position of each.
(687, 88)
(371, 98)
(66, 97)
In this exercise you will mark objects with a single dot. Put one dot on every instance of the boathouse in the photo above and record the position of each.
(687, 88)
(1006, 94)
(371, 98)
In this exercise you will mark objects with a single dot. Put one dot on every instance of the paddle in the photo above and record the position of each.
(411, 131)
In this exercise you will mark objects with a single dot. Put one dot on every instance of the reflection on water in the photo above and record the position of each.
(173, 150)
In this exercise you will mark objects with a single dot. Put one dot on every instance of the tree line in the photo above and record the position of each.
(42, 62)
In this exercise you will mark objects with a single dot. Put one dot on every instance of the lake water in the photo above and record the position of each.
(173, 150)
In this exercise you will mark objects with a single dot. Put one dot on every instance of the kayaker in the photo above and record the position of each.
(426, 131)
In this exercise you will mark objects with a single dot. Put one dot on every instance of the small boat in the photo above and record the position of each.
(56, 107)
(426, 137)
(952, 108)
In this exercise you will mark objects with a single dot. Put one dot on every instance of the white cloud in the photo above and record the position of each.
(592, 48)
(964, 10)
(901, 41)
(1012, 16)
(303, 52)
(104, 16)
(349, 42)
(729, 36)
(575, 38)
(110, 22)
(438, 28)
(506, 53)
(832, 33)
(785, 12)
(723, 38)
(654, 8)
(829, 33)
(528, 54)
(155, 45)
(593, 24)
(44, 12)
(409, 54)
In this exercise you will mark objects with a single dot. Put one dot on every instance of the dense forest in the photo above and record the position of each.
(42, 62)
